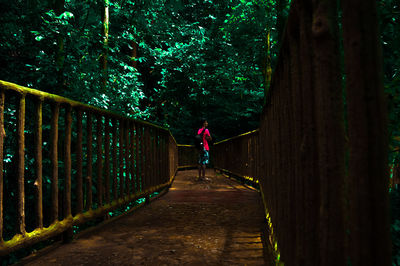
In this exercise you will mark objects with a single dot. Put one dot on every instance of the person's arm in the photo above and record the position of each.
(208, 136)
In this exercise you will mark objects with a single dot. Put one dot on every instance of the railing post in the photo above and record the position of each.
(142, 137)
(114, 158)
(79, 185)
(38, 162)
(121, 158)
(107, 159)
(138, 158)
(132, 153)
(68, 234)
(21, 164)
(127, 161)
(89, 130)
(369, 221)
(99, 162)
(67, 162)
(55, 111)
(2, 135)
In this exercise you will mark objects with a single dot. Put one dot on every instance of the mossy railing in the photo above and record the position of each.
(52, 181)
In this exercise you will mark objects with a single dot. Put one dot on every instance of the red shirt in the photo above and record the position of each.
(206, 133)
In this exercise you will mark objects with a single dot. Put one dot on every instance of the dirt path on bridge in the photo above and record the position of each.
(215, 222)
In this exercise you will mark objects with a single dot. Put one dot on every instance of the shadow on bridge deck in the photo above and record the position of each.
(216, 222)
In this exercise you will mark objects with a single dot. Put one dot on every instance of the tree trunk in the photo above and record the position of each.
(105, 31)
(59, 54)
(134, 54)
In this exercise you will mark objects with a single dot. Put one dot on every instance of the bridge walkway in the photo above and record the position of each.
(215, 222)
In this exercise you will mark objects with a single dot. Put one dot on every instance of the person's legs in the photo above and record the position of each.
(203, 167)
(200, 167)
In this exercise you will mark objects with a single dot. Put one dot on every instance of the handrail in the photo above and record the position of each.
(238, 136)
(238, 156)
(245, 164)
(326, 197)
(188, 156)
(142, 158)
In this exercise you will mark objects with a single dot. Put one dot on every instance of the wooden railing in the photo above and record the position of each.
(188, 156)
(325, 186)
(51, 182)
(238, 156)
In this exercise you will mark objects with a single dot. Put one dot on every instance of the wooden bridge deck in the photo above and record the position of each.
(215, 222)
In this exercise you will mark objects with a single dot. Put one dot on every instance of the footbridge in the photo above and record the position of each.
(313, 179)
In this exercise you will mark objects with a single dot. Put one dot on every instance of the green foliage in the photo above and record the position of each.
(204, 59)
(195, 58)
(60, 54)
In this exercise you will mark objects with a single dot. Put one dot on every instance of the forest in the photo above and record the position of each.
(168, 62)
(172, 62)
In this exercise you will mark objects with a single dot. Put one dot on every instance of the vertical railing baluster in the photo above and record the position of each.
(107, 160)
(121, 158)
(160, 158)
(162, 144)
(2, 135)
(147, 157)
(38, 162)
(21, 164)
(89, 130)
(156, 159)
(151, 153)
(127, 164)
(151, 164)
(142, 157)
(166, 175)
(67, 162)
(132, 161)
(55, 110)
(79, 191)
(99, 162)
(138, 158)
(114, 158)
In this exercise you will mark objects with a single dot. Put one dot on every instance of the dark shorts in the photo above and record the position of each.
(204, 157)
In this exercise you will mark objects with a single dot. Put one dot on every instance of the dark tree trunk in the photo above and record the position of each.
(60, 52)
(104, 56)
